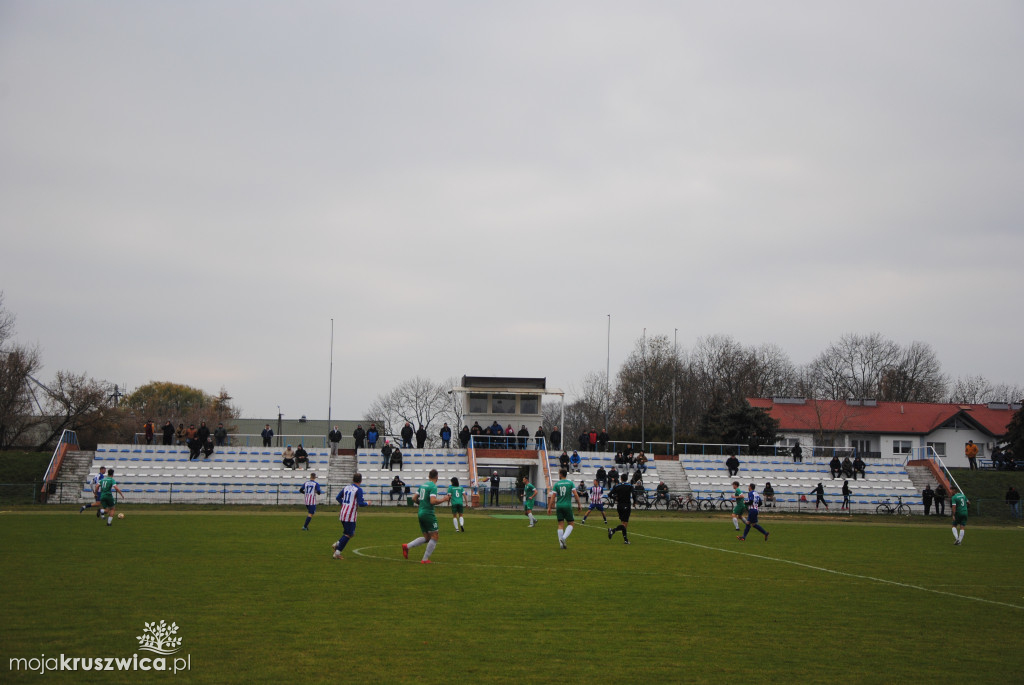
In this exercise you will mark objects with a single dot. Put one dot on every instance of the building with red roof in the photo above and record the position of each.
(890, 429)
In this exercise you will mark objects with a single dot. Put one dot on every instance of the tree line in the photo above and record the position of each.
(702, 390)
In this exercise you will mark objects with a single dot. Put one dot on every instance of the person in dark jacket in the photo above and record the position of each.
(556, 439)
(798, 453)
(835, 466)
(602, 476)
(267, 435)
(208, 447)
(385, 456)
(859, 467)
(539, 437)
(359, 435)
(733, 464)
(220, 435)
(563, 461)
(940, 500)
(446, 436)
(819, 491)
(301, 457)
(168, 433)
(406, 434)
(602, 440)
(524, 437)
(372, 435)
(927, 495)
(421, 437)
(846, 495)
(464, 436)
(203, 432)
(334, 437)
(396, 458)
(583, 441)
(848, 468)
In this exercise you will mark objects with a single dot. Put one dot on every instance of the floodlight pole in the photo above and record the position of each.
(330, 380)
(607, 375)
(643, 391)
(675, 372)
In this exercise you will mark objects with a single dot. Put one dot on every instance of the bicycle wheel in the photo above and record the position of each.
(707, 505)
(692, 505)
(725, 505)
(883, 508)
(903, 510)
(673, 505)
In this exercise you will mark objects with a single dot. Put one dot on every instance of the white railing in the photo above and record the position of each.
(929, 454)
(68, 440)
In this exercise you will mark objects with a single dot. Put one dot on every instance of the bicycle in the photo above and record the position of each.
(687, 502)
(722, 503)
(887, 507)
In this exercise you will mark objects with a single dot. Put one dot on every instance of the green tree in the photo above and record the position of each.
(161, 401)
(1015, 434)
(738, 424)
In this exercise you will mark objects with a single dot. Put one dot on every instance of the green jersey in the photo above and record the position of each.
(426, 490)
(959, 503)
(457, 493)
(107, 485)
(529, 492)
(563, 493)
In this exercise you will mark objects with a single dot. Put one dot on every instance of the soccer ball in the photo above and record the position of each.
(120, 516)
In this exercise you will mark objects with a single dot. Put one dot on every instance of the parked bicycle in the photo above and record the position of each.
(899, 508)
(722, 503)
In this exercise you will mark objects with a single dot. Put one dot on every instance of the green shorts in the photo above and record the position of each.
(428, 523)
(563, 513)
(528, 504)
(456, 509)
(959, 519)
(739, 509)
(107, 499)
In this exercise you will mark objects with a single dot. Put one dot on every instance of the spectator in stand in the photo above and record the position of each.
(220, 435)
(510, 438)
(203, 432)
(583, 441)
(421, 437)
(524, 437)
(859, 467)
(592, 440)
(385, 455)
(149, 430)
(406, 434)
(288, 459)
(641, 462)
(628, 452)
(846, 495)
(769, 494)
(497, 439)
(397, 489)
(661, 493)
(396, 458)
(359, 435)
(495, 485)
(835, 466)
(446, 436)
(334, 438)
(581, 490)
(602, 440)
(575, 461)
(619, 460)
(940, 500)
(301, 457)
(848, 468)
(464, 435)
(629, 459)
(538, 438)
(820, 492)
(1013, 501)
(372, 435)
(168, 433)
(602, 476)
(208, 447)
(613, 477)
(179, 434)
(927, 495)
(798, 455)
(733, 464)
(556, 439)
(971, 452)
(754, 445)
(192, 440)
(563, 460)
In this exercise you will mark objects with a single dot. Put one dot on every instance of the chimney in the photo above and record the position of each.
(901, 408)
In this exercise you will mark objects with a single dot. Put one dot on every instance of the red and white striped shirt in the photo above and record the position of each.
(595, 493)
(350, 498)
(310, 489)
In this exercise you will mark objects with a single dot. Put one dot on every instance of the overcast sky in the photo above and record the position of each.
(191, 191)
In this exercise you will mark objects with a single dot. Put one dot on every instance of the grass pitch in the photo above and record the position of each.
(257, 600)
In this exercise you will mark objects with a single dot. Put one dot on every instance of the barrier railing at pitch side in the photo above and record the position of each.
(68, 439)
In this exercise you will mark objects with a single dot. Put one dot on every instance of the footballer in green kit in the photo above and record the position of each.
(108, 486)
(959, 504)
(560, 499)
(529, 497)
(740, 506)
(457, 495)
(426, 497)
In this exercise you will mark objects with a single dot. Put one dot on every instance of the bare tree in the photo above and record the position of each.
(916, 377)
(854, 366)
(77, 403)
(419, 401)
(979, 390)
(18, 403)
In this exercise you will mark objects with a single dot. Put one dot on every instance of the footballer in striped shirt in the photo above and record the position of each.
(594, 497)
(310, 489)
(350, 498)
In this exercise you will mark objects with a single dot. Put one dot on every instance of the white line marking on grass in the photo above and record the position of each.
(833, 571)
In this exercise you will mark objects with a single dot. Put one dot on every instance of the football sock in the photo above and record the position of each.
(306, 524)
(342, 541)
(455, 522)
(736, 523)
(624, 535)
(430, 549)
(746, 530)
(532, 520)
(559, 535)
(462, 522)
(568, 532)
(956, 533)
(758, 527)
(110, 519)
(417, 542)
(961, 538)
